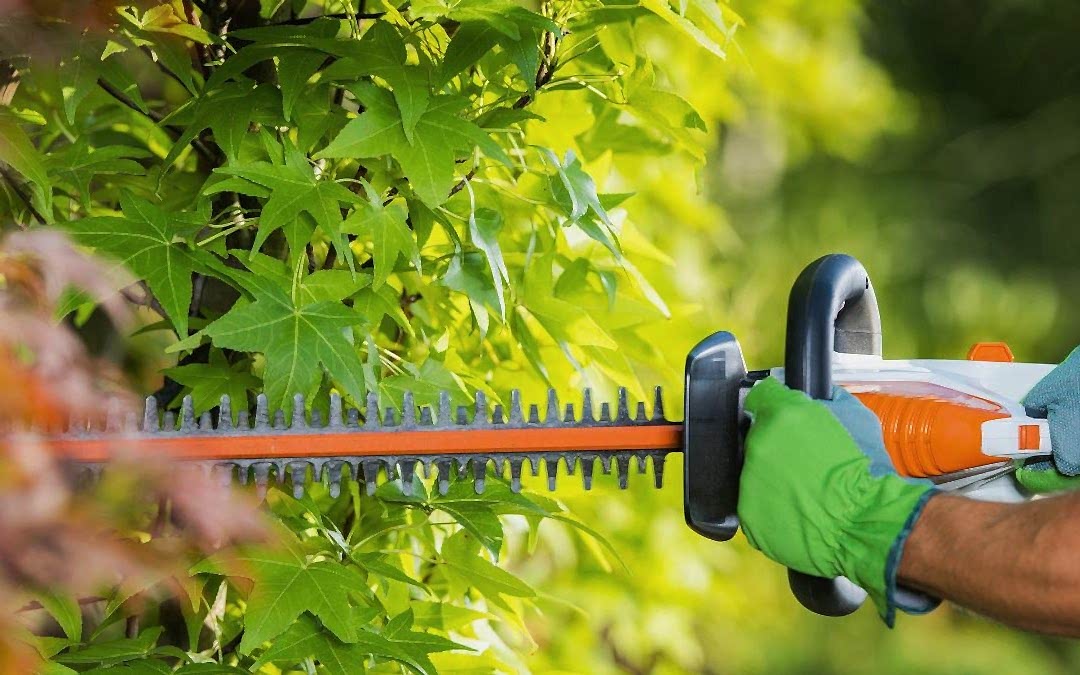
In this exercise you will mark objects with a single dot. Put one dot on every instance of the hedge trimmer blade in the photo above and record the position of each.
(376, 445)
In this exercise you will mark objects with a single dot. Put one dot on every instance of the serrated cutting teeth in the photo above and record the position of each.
(374, 444)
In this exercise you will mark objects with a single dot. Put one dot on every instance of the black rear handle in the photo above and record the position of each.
(832, 308)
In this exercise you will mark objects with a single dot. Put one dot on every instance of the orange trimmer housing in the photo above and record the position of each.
(930, 430)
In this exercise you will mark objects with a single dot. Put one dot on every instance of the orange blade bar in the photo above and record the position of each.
(359, 443)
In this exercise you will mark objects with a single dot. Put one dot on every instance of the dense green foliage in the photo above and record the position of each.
(356, 199)
(935, 141)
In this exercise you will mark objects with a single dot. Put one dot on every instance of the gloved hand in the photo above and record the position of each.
(1057, 396)
(823, 498)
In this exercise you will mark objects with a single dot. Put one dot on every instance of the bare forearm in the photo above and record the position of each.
(1017, 563)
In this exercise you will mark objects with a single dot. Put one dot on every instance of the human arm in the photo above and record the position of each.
(1016, 563)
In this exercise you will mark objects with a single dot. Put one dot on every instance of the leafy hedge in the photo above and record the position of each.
(353, 199)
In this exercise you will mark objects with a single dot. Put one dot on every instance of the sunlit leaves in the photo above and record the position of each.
(386, 228)
(294, 188)
(409, 202)
(208, 382)
(149, 241)
(287, 583)
(297, 337)
(440, 136)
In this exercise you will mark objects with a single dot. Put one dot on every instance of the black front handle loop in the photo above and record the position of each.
(832, 307)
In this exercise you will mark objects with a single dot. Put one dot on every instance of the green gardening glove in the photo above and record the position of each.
(1057, 397)
(825, 501)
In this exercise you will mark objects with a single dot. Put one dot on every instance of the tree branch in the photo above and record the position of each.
(546, 70)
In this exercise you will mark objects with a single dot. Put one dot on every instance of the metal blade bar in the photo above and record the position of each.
(346, 443)
(375, 445)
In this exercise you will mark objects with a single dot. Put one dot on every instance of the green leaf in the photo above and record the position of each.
(382, 52)
(145, 241)
(566, 322)
(78, 74)
(373, 305)
(210, 669)
(286, 585)
(113, 652)
(470, 43)
(484, 227)
(478, 519)
(663, 9)
(415, 643)
(425, 383)
(229, 113)
(503, 15)
(386, 228)
(306, 639)
(163, 19)
(468, 274)
(584, 208)
(208, 382)
(19, 153)
(117, 73)
(464, 564)
(444, 616)
(295, 189)
(296, 337)
(486, 23)
(295, 68)
(379, 565)
(76, 165)
(140, 667)
(67, 612)
(440, 135)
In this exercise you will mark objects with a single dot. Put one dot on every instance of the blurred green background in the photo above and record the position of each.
(937, 142)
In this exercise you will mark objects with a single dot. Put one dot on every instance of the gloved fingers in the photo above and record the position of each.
(770, 396)
(1043, 478)
(1065, 437)
(1060, 385)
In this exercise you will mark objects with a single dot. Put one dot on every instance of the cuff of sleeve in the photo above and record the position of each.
(898, 597)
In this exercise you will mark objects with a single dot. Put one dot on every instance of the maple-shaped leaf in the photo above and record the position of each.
(306, 639)
(228, 112)
(441, 134)
(296, 336)
(387, 230)
(487, 23)
(208, 382)
(294, 190)
(77, 164)
(148, 240)
(286, 583)
(382, 52)
(465, 567)
(295, 68)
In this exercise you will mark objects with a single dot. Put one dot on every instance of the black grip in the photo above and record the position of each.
(712, 447)
(832, 307)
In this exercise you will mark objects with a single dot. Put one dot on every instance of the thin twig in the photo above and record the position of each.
(460, 185)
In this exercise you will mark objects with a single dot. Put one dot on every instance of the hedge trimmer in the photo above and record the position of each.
(958, 423)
